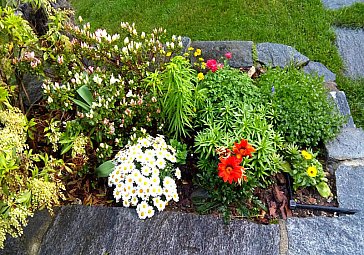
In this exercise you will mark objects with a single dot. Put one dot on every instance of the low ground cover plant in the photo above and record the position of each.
(131, 106)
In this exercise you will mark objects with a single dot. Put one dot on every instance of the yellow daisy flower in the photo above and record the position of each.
(306, 154)
(200, 76)
(312, 171)
(191, 48)
(169, 54)
(197, 52)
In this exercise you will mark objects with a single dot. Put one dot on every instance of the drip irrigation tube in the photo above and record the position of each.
(294, 205)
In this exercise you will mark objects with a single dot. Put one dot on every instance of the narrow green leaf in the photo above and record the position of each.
(323, 189)
(105, 169)
(67, 148)
(81, 104)
(85, 94)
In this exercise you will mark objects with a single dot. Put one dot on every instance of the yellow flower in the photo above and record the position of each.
(197, 52)
(190, 48)
(306, 154)
(201, 59)
(203, 65)
(200, 76)
(169, 54)
(312, 171)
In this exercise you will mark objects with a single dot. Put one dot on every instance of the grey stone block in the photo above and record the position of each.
(316, 68)
(29, 243)
(99, 230)
(343, 106)
(274, 54)
(336, 4)
(348, 145)
(242, 51)
(350, 187)
(351, 47)
(325, 236)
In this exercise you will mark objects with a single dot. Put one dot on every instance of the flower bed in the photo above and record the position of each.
(136, 112)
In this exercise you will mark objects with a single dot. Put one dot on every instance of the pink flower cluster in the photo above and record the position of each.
(213, 65)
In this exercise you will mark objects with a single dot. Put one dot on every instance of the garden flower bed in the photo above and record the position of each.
(142, 120)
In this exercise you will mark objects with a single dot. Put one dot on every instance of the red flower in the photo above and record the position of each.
(228, 55)
(230, 169)
(212, 65)
(243, 149)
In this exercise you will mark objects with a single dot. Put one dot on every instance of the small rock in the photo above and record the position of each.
(274, 54)
(316, 68)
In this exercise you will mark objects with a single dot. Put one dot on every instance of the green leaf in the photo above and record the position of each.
(286, 167)
(24, 198)
(105, 169)
(81, 104)
(85, 94)
(323, 189)
(67, 148)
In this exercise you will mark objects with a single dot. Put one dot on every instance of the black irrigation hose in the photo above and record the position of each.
(294, 205)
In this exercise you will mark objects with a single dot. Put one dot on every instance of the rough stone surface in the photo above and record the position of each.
(336, 4)
(350, 187)
(316, 68)
(351, 47)
(29, 243)
(186, 42)
(325, 236)
(347, 145)
(273, 54)
(99, 230)
(33, 86)
(242, 51)
(343, 106)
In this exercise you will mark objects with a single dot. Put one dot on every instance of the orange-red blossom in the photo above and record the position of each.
(230, 169)
(243, 149)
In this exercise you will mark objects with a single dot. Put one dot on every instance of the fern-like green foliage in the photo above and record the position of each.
(177, 86)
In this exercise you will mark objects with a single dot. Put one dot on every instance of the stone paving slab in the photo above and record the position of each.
(100, 230)
(325, 236)
(350, 43)
(348, 145)
(350, 186)
(336, 4)
(343, 106)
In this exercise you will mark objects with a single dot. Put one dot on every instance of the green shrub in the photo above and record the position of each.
(230, 113)
(302, 110)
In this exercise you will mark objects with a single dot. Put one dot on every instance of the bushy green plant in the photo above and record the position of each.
(230, 113)
(303, 112)
(305, 170)
(24, 186)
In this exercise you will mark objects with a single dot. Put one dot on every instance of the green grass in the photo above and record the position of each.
(305, 25)
(352, 16)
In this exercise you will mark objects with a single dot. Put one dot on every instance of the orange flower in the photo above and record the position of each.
(230, 169)
(243, 149)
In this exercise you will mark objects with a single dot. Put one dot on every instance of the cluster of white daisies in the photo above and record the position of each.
(144, 175)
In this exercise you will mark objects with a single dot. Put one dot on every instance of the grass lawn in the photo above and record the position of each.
(305, 25)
